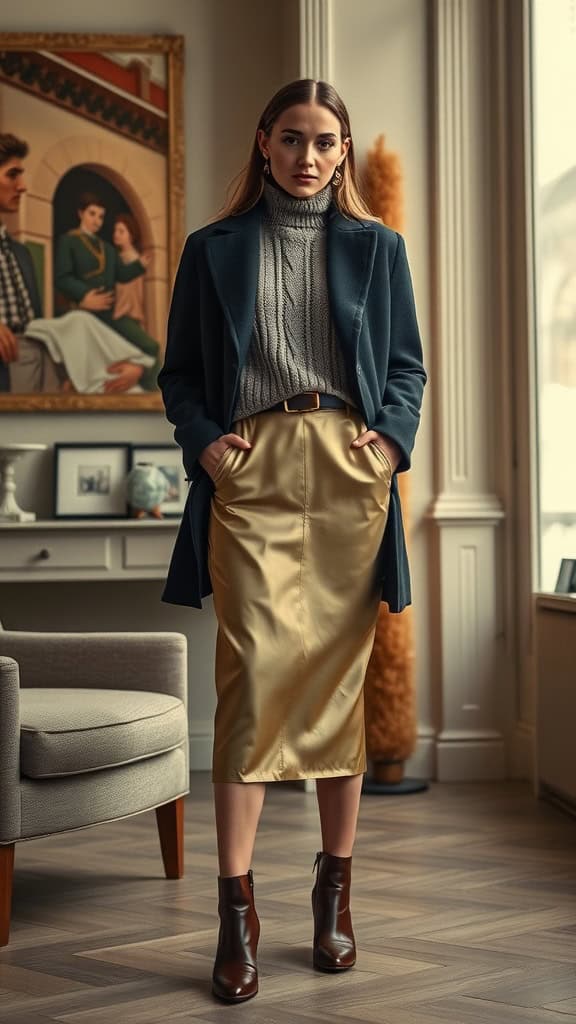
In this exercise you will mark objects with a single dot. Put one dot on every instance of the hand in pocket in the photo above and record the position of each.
(213, 453)
(388, 446)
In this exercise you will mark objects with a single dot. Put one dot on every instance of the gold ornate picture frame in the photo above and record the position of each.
(96, 237)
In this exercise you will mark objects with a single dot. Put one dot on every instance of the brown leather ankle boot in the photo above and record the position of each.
(235, 974)
(334, 945)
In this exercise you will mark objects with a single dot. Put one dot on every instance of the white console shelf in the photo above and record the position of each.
(86, 549)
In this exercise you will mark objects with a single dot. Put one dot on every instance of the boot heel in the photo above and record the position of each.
(334, 947)
(235, 974)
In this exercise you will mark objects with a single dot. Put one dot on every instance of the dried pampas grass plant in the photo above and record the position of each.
(389, 686)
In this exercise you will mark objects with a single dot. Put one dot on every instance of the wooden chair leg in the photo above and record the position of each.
(6, 876)
(170, 818)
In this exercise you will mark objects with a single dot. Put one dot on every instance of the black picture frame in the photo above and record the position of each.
(102, 481)
(566, 582)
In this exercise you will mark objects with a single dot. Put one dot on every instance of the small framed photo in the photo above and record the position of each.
(90, 481)
(566, 582)
(168, 459)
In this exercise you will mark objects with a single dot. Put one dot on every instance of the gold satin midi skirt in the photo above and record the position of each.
(296, 523)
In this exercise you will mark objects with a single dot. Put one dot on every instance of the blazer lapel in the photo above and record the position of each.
(233, 256)
(351, 249)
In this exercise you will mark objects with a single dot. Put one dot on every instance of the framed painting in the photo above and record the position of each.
(91, 217)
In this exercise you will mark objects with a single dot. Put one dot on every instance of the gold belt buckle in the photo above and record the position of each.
(306, 408)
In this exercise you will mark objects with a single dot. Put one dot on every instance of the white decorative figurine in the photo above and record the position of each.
(10, 511)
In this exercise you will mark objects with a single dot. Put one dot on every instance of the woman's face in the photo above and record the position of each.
(121, 236)
(305, 141)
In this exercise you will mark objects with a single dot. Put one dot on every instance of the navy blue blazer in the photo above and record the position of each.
(26, 265)
(209, 330)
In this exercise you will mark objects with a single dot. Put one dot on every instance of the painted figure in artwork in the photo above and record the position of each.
(87, 272)
(129, 296)
(25, 364)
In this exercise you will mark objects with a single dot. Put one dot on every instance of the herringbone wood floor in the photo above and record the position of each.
(464, 907)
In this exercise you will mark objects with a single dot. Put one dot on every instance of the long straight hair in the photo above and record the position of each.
(246, 187)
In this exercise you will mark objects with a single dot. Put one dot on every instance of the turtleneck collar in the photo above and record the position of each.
(284, 210)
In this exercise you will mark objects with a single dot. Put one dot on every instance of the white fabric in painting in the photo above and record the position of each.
(87, 347)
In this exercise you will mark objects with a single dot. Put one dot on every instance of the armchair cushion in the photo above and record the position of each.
(71, 731)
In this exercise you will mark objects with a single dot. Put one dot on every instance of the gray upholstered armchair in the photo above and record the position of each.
(93, 727)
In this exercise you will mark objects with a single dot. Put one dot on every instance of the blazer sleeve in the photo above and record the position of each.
(65, 278)
(181, 378)
(399, 414)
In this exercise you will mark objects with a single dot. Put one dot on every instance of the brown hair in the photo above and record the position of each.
(90, 199)
(12, 148)
(249, 181)
(130, 223)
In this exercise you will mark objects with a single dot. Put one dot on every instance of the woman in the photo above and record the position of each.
(294, 377)
(129, 297)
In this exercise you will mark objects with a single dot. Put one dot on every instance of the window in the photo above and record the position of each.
(553, 56)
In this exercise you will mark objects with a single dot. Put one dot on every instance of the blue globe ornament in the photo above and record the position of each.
(147, 487)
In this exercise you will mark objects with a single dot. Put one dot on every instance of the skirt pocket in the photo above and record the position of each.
(223, 464)
(382, 456)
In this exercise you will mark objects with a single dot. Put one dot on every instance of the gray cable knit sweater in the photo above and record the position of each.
(293, 346)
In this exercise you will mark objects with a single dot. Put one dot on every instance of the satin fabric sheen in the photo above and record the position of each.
(296, 523)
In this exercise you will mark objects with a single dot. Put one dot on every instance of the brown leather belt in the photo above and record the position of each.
(309, 401)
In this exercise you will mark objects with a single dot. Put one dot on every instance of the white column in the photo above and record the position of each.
(469, 554)
(316, 39)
